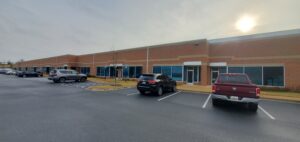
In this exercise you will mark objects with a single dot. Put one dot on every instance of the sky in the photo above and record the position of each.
(31, 29)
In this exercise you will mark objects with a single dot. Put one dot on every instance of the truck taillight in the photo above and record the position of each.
(257, 91)
(213, 89)
(151, 81)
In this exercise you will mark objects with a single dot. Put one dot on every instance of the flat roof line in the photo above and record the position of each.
(256, 36)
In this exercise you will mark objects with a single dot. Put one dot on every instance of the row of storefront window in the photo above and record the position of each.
(125, 72)
(178, 73)
(260, 75)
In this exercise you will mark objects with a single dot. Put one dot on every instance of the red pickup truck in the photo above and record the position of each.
(235, 87)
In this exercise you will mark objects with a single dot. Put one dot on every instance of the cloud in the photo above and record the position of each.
(32, 29)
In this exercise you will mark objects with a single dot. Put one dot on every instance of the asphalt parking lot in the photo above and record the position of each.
(35, 110)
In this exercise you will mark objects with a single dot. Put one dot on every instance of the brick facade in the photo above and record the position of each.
(271, 49)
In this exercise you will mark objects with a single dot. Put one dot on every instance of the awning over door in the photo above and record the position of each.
(192, 63)
(218, 64)
(117, 65)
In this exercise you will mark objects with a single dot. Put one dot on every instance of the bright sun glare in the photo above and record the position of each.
(245, 24)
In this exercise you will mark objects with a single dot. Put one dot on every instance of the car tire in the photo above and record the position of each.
(174, 89)
(62, 80)
(142, 92)
(83, 79)
(215, 102)
(160, 91)
(253, 107)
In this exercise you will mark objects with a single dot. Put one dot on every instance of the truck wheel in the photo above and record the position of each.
(174, 89)
(62, 80)
(160, 91)
(253, 107)
(142, 92)
(83, 79)
(215, 102)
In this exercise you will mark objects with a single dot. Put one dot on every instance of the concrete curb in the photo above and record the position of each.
(265, 98)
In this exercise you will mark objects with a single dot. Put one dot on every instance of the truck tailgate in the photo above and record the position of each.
(239, 90)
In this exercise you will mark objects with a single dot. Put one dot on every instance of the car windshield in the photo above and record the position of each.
(146, 77)
(233, 79)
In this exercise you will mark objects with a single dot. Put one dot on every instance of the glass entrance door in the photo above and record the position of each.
(119, 72)
(190, 76)
(214, 75)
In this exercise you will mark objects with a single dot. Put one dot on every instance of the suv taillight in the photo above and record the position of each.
(257, 91)
(213, 88)
(151, 81)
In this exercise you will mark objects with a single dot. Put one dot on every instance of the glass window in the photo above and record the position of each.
(196, 73)
(157, 69)
(273, 76)
(107, 71)
(166, 70)
(222, 69)
(112, 71)
(177, 73)
(235, 70)
(85, 70)
(138, 71)
(132, 72)
(98, 71)
(254, 74)
(72, 72)
(233, 79)
(214, 69)
(101, 71)
(126, 71)
(146, 77)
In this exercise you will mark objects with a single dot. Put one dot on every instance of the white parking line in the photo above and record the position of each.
(132, 94)
(268, 114)
(205, 103)
(169, 96)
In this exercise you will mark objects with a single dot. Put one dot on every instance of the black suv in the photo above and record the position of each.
(29, 74)
(155, 83)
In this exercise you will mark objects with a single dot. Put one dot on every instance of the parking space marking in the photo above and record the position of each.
(131, 94)
(205, 103)
(169, 96)
(268, 114)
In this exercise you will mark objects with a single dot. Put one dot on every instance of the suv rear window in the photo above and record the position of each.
(146, 77)
(53, 71)
(63, 72)
(233, 79)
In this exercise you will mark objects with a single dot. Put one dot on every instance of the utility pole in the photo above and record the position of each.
(114, 65)
(147, 64)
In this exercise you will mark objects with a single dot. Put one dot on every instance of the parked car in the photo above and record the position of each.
(10, 72)
(28, 74)
(62, 75)
(155, 83)
(236, 88)
(3, 71)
